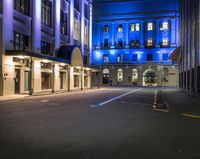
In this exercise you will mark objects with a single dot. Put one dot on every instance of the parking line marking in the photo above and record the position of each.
(191, 115)
(161, 110)
(110, 100)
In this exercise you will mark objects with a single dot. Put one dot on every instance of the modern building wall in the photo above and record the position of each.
(136, 34)
(31, 34)
(189, 41)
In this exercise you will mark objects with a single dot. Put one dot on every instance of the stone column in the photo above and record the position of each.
(82, 26)
(157, 33)
(36, 25)
(82, 78)
(57, 23)
(90, 32)
(71, 35)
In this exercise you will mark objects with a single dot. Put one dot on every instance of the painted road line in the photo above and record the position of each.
(191, 116)
(115, 98)
(161, 110)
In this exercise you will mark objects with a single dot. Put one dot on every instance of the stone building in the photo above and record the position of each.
(132, 42)
(44, 45)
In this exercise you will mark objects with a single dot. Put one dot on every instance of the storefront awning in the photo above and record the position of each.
(175, 55)
(72, 54)
(36, 55)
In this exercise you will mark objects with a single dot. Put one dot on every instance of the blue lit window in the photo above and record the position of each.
(150, 26)
(165, 57)
(132, 27)
(135, 57)
(105, 58)
(149, 57)
(119, 58)
(137, 27)
(120, 28)
(105, 28)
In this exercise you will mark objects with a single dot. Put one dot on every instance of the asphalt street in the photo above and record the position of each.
(107, 123)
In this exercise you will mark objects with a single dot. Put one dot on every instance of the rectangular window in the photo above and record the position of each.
(45, 48)
(105, 28)
(119, 58)
(150, 26)
(149, 57)
(86, 38)
(105, 43)
(150, 41)
(46, 12)
(132, 27)
(120, 28)
(165, 26)
(76, 30)
(22, 6)
(63, 22)
(165, 41)
(77, 5)
(137, 27)
(86, 11)
(46, 80)
(165, 57)
(20, 41)
(105, 58)
(135, 57)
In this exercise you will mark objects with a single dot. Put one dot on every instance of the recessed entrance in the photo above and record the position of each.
(17, 81)
(149, 78)
(105, 76)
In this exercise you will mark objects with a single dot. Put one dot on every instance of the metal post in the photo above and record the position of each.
(53, 76)
(98, 77)
(82, 74)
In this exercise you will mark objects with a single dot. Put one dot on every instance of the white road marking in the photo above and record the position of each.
(110, 100)
(44, 101)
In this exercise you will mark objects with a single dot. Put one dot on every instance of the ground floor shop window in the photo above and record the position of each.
(119, 75)
(76, 80)
(26, 81)
(105, 76)
(46, 80)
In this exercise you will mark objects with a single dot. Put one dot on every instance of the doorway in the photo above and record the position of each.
(17, 81)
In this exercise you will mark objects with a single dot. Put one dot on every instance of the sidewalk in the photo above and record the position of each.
(11, 97)
(179, 101)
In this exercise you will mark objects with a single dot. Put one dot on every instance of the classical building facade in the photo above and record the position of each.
(132, 41)
(190, 45)
(44, 45)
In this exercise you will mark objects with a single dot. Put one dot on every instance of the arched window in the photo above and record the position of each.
(105, 79)
(119, 75)
(134, 76)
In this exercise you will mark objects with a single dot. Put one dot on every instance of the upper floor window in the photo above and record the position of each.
(120, 28)
(76, 4)
(86, 10)
(149, 57)
(45, 48)
(150, 41)
(22, 6)
(105, 58)
(63, 22)
(137, 27)
(165, 26)
(132, 27)
(105, 28)
(150, 26)
(119, 58)
(20, 41)
(165, 57)
(76, 24)
(165, 41)
(105, 43)
(46, 12)
(120, 44)
(135, 57)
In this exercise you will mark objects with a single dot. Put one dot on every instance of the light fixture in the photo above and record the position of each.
(45, 61)
(62, 64)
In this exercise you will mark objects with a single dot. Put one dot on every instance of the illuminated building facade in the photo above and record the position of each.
(190, 46)
(132, 41)
(44, 45)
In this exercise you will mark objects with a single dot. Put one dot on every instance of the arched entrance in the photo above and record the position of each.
(120, 75)
(149, 78)
(105, 79)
